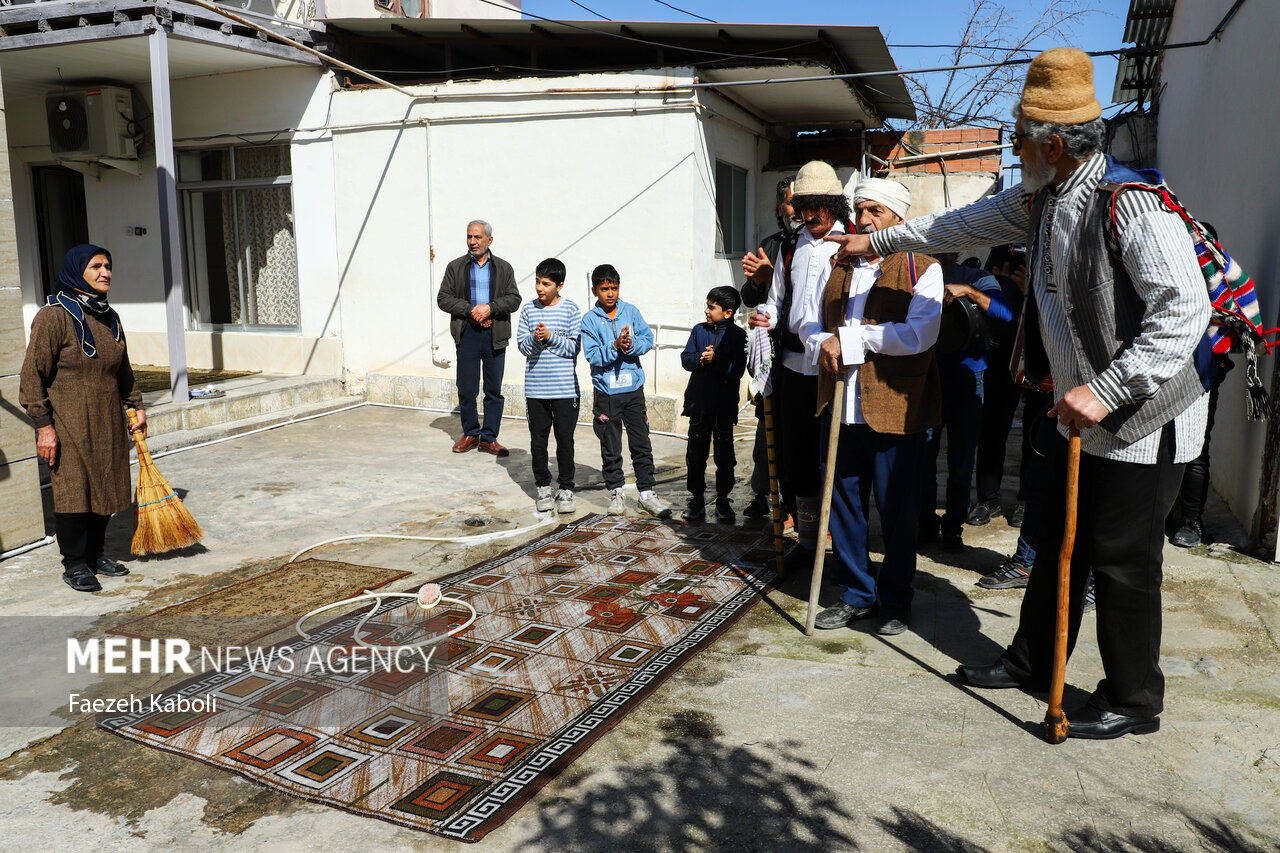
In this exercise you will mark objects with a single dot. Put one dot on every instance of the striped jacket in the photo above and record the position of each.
(1125, 336)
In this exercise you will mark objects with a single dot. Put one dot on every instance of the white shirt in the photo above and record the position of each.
(810, 268)
(914, 335)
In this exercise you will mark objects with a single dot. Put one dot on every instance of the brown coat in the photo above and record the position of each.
(901, 394)
(84, 399)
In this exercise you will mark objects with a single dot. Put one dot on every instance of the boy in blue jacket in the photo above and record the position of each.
(716, 356)
(614, 336)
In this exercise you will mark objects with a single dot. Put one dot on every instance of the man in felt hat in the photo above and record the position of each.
(874, 325)
(799, 272)
(1115, 309)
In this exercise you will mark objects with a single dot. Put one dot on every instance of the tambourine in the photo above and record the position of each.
(963, 325)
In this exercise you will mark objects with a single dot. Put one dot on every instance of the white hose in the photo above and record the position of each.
(25, 548)
(475, 539)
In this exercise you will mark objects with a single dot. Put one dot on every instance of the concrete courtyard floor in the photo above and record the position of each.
(766, 741)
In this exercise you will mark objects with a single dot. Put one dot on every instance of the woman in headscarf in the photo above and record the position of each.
(76, 382)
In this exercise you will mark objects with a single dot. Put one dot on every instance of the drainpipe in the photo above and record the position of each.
(431, 252)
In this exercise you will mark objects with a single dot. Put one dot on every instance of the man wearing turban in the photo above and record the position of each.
(874, 326)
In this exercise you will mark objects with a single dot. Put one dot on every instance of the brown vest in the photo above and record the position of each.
(901, 394)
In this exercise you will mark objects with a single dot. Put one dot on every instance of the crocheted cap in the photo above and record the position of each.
(1059, 88)
(817, 178)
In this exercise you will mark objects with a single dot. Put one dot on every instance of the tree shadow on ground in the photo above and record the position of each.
(1214, 836)
(705, 795)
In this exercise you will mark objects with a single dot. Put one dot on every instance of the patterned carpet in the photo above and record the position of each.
(151, 377)
(245, 611)
(575, 629)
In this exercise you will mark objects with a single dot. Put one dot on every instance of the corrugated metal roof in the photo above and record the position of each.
(568, 47)
(1147, 24)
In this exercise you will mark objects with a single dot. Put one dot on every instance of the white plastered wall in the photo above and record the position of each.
(1216, 112)
(624, 179)
(219, 107)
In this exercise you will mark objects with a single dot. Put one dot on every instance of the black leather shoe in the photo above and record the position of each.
(1017, 514)
(1093, 723)
(993, 676)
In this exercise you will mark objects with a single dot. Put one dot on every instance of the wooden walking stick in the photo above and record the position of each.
(1055, 721)
(828, 486)
(775, 496)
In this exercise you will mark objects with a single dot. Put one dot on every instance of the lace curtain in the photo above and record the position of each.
(258, 242)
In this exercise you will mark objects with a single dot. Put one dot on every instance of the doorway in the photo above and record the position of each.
(61, 218)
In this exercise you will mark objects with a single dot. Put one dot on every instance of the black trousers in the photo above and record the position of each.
(1000, 402)
(612, 413)
(795, 399)
(1120, 538)
(704, 431)
(760, 453)
(80, 537)
(1195, 480)
(544, 415)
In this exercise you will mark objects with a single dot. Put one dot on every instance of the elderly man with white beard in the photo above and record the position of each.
(1115, 309)
(876, 323)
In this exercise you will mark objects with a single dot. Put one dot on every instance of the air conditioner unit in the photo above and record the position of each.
(91, 123)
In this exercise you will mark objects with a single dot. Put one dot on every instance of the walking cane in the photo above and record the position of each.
(1055, 721)
(775, 497)
(828, 485)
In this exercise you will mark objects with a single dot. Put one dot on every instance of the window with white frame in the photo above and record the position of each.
(237, 212)
(731, 209)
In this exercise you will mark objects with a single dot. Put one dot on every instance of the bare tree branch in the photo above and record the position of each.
(992, 33)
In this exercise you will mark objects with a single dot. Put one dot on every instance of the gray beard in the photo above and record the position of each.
(1036, 178)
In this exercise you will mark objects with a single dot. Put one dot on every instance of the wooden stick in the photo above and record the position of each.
(828, 486)
(1055, 721)
(775, 492)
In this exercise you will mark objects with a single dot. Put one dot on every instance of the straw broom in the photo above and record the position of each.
(161, 523)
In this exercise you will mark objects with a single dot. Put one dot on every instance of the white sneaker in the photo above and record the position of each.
(546, 499)
(564, 500)
(618, 506)
(654, 506)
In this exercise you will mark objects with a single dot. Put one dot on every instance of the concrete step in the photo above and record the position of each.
(201, 435)
(249, 402)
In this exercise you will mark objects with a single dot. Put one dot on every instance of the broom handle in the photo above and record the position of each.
(138, 439)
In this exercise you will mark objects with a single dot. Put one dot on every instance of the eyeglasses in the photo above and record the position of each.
(1015, 139)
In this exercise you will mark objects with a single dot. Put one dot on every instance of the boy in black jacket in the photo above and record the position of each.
(716, 355)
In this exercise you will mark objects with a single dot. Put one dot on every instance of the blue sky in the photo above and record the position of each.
(917, 22)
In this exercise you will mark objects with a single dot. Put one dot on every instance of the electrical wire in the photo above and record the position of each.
(686, 12)
(634, 40)
(592, 11)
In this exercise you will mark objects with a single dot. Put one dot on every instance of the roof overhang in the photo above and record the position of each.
(435, 50)
(53, 44)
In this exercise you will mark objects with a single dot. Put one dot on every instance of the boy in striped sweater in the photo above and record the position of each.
(548, 336)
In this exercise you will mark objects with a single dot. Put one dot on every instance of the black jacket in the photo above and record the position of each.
(713, 388)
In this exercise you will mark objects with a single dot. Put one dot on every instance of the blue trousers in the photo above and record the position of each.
(868, 461)
(962, 419)
(476, 355)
